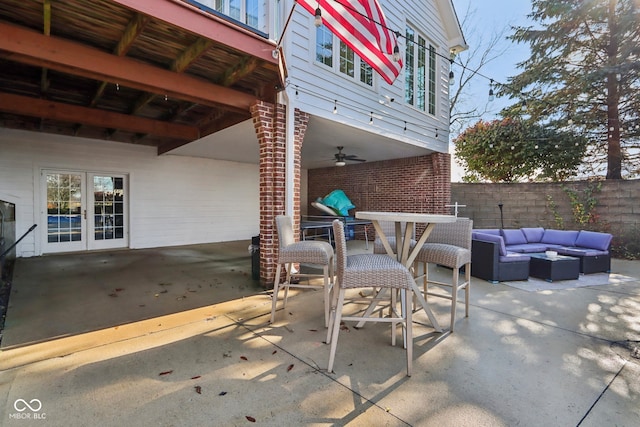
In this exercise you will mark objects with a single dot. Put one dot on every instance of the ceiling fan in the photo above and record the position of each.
(341, 158)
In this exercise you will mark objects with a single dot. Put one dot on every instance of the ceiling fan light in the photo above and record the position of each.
(340, 163)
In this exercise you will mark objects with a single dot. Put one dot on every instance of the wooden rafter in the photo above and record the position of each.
(76, 59)
(23, 105)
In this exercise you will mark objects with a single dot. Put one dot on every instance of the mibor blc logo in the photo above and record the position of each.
(27, 410)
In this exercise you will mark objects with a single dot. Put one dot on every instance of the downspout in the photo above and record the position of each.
(290, 126)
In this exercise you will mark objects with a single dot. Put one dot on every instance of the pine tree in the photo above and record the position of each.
(584, 71)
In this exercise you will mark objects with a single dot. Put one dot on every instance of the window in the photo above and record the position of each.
(348, 63)
(246, 11)
(420, 72)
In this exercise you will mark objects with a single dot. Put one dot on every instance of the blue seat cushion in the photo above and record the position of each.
(573, 251)
(513, 237)
(560, 237)
(533, 234)
(514, 257)
(528, 248)
(593, 240)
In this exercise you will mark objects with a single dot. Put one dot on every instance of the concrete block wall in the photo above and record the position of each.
(529, 204)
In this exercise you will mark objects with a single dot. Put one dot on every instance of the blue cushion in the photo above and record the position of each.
(492, 238)
(533, 234)
(593, 240)
(528, 248)
(488, 231)
(513, 237)
(560, 237)
(581, 252)
(514, 257)
(338, 201)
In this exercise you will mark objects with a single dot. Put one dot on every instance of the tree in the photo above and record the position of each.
(463, 107)
(585, 68)
(511, 149)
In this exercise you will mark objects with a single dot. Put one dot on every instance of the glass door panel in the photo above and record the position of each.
(85, 211)
(108, 216)
(64, 211)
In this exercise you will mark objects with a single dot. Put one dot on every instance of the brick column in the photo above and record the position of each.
(269, 121)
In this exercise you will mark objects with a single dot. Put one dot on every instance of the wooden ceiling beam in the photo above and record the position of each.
(23, 105)
(30, 47)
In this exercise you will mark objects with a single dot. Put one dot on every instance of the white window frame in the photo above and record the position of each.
(224, 7)
(420, 91)
(336, 60)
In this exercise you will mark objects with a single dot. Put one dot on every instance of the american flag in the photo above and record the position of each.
(360, 24)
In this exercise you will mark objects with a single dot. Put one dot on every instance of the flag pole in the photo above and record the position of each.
(276, 51)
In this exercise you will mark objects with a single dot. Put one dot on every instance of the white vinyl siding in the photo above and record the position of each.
(173, 200)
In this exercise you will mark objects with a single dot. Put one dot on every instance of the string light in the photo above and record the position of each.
(371, 119)
(405, 127)
(524, 105)
(452, 76)
(317, 21)
(436, 133)
(491, 95)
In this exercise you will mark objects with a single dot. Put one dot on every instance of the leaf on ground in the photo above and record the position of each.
(198, 389)
(253, 420)
(243, 357)
(222, 393)
(119, 289)
(274, 351)
(290, 367)
(114, 295)
(166, 372)
(164, 291)
(196, 377)
(313, 330)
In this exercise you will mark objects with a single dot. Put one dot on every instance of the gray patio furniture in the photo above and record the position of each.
(448, 245)
(375, 273)
(312, 252)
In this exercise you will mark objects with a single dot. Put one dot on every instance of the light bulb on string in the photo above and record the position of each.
(317, 21)
(524, 105)
(396, 48)
(492, 97)
(371, 119)
(452, 77)
(335, 107)
(405, 126)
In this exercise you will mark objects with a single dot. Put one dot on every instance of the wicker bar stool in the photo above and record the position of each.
(308, 252)
(366, 271)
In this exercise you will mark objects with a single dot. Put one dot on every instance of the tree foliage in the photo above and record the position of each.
(585, 68)
(512, 149)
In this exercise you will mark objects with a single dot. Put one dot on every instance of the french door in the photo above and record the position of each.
(84, 211)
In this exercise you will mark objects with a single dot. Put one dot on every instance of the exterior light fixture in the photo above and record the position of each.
(318, 17)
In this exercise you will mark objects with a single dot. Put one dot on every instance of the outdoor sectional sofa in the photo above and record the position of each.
(501, 254)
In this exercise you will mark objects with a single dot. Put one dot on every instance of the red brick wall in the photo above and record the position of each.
(416, 184)
(269, 122)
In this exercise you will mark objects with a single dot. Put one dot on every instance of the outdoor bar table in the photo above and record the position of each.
(404, 251)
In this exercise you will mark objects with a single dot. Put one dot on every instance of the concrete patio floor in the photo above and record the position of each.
(180, 337)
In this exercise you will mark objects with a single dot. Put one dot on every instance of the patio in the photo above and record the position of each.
(180, 336)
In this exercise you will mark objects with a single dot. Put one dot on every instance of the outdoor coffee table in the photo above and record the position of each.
(559, 267)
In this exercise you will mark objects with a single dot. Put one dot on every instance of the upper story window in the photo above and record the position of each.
(347, 62)
(249, 12)
(420, 72)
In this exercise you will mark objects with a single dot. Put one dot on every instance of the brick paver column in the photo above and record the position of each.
(270, 124)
